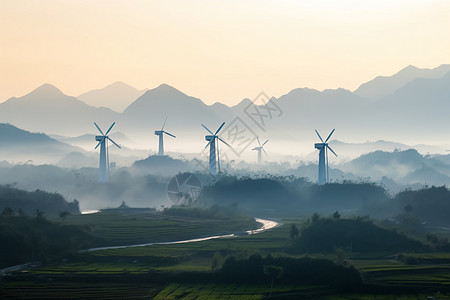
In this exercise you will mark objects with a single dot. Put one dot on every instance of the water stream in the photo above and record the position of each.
(266, 225)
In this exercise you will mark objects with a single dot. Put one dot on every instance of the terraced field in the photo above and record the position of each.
(125, 265)
(392, 272)
(67, 290)
(177, 291)
(117, 228)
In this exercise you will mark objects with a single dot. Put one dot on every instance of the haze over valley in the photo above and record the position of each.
(401, 100)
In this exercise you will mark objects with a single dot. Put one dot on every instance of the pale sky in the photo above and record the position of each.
(216, 50)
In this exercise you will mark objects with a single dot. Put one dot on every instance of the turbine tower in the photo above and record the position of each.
(212, 149)
(259, 149)
(323, 158)
(104, 153)
(160, 133)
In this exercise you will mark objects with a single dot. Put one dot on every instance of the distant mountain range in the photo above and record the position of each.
(88, 140)
(382, 86)
(47, 109)
(405, 167)
(116, 96)
(410, 106)
(18, 145)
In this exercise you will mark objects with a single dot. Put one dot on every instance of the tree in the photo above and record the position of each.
(273, 272)
(293, 232)
(336, 216)
(123, 205)
(39, 214)
(217, 259)
(64, 214)
(408, 208)
(7, 212)
(315, 217)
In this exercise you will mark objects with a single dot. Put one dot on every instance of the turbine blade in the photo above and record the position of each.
(329, 135)
(264, 143)
(97, 145)
(219, 128)
(223, 142)
(265, 151)
(331, 150)
(209, 143)
(110, 128)
(164, 124)
(113, 142)
(169, 134)
(99, 128)
(207, 129)
(319, 135)
(259, 143)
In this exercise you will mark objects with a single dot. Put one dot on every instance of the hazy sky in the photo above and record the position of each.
(216, 50)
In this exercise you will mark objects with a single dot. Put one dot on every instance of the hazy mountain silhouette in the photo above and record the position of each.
(222, 110)
(357, 149)
(184, 113)
(116, 96)
(416, 111)
(419, 109)
(48, 110)
(382, 86)
(87, 141)
(307, 109)
(22, 146)
(406, 167)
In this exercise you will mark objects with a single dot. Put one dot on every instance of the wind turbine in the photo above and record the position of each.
(104, 153)
(323, 152)
(259, 149)
(212, 149)
(160, 133)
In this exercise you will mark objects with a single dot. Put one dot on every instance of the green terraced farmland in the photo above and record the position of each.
(177, 291)
(393, 272)
(116, 228)
(78, 290)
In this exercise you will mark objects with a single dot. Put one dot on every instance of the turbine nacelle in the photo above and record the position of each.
(320, 146)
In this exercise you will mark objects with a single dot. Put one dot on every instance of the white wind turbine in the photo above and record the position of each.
(104, 153)
(323, 163)
(259, 149)
(212, 149)
(161, 133)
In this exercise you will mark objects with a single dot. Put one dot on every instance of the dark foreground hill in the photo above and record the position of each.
(24, 239)
(359, 235)
(304, 270)
(30, 202)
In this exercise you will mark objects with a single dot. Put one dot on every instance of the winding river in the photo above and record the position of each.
(266, 225)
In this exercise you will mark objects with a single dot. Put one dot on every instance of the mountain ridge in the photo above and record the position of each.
(116, 96)
(382, 86)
